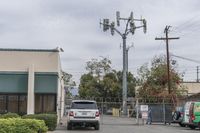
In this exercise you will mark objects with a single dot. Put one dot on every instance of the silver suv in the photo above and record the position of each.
(83, 113)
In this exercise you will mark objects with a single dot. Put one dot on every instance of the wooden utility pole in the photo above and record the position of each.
(197, 73)
(166, 38)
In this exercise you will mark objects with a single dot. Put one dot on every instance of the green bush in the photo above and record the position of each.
(18, 125)
(9, 115)
(49, 119)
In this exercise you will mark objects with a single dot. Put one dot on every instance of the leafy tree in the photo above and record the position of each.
(102, 81)
(97, 68)
(68, 82)
(88, 86)
(154, 81)
(68, 79)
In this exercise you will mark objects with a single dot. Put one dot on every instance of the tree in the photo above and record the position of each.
(68, 82)
(103, 81)
(88, 86)
(97, 67)
(154, 81)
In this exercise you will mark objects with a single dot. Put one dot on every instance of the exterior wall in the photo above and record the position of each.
(192, 87)
(31, 91)
(60, 93)
(44, 61)
(21, 60)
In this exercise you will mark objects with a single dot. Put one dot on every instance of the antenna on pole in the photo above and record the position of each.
(118, 18)
(129, 28)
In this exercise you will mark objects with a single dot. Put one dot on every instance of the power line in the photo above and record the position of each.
(187, 23)
(184, 58)
(188, 27)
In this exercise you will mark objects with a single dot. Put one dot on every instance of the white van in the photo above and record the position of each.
(186, 116)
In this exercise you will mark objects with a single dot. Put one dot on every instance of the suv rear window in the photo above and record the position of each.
(84, 105)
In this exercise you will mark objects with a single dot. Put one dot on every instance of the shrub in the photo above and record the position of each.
(9, 115)
(18, 125)
(49, 119)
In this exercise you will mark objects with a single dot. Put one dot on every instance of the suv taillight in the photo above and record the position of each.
(71, 113)
(97, 114)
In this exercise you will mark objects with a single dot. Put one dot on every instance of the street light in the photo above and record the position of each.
(130, 28)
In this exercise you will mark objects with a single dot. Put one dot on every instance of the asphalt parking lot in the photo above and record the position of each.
(127, 125)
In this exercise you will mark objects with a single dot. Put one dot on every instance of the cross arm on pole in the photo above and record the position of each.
(169, 38)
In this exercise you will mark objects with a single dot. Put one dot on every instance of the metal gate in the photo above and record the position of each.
(161, 109)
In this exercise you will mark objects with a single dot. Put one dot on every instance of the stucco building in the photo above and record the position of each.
(192, 87)
(31, 81)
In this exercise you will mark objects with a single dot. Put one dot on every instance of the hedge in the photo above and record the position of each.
(49, 119)
(18, 125)
(10, 115)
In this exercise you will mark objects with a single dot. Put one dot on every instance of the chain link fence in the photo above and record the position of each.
(161, 108)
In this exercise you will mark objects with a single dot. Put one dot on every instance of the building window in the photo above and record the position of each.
(49, 103)
(3, 104)
(23, 104)
(45, 103)
(14, 103)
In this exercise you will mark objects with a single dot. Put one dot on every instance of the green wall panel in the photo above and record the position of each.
(13, 83)
(46, 83)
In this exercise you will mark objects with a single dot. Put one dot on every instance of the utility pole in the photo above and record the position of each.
(166, 38)
(197, 73)
(129, 28)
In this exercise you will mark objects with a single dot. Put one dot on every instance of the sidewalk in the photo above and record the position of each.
(62, 125)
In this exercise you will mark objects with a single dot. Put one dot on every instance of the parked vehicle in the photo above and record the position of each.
(192, 114)
(178, 115)
(83, 113)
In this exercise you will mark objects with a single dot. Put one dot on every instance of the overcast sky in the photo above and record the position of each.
(74, 26)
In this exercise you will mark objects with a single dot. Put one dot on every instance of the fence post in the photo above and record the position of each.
(164, 119)
(137, 111)
(102, 109)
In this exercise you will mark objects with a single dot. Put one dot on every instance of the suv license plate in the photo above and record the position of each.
(84, 113)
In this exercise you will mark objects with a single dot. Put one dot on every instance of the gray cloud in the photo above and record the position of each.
(74, 26)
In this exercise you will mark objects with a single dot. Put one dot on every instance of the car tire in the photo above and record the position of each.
(69, 126)
(96, 127)
(191, 127)
(181, 124)
(176, 115)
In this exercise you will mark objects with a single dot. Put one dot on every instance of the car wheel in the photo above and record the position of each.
(191, 127)
(181, 124)
(176, 116)
(69, 126)
(97, 126)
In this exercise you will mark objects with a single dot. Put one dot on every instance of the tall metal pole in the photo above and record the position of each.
(124, 83)
(130, 28)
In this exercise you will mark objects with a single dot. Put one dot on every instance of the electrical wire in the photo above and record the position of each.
(184, 58)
